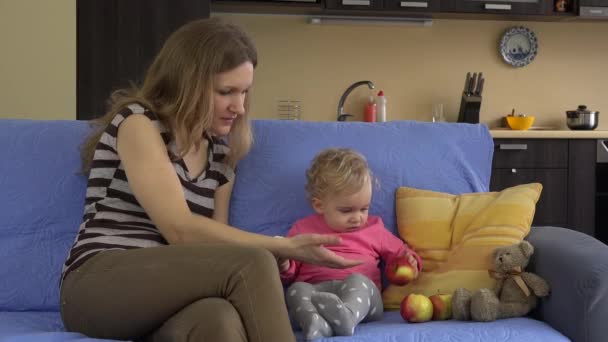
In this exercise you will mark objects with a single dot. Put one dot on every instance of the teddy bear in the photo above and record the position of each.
(516, 292)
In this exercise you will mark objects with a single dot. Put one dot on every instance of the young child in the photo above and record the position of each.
(326, 301)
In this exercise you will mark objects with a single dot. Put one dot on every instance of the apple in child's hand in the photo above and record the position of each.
(416, 308)
(400, 272)
(442, 306)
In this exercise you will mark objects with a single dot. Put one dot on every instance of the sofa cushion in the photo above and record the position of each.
(455, 235)
(392, 328)
(37, 327)
(42, 201)
(269, 192)
(47, 327)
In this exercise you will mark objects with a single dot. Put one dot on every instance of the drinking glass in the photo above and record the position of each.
(437, 112)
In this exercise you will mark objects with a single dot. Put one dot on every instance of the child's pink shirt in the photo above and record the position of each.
(369, 243)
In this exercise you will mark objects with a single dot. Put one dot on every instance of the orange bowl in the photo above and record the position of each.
(520, 123)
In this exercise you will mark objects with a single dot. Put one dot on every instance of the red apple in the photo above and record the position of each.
(399, 271)
(442, 306)
(416, 308)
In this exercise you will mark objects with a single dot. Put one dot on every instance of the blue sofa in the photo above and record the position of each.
(42, 195)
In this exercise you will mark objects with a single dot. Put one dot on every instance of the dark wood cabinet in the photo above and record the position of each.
(299, 7)
(528, 10)
(386, 6)
(531, 7)
(582, 187)
(552, 205)
(412, 6)
(354, 4)
(116, 41)
(528, 153)
(565, 168)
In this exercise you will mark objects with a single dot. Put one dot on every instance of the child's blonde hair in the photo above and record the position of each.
(336, 171)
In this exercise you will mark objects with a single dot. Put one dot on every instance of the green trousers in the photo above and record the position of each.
(178, 293)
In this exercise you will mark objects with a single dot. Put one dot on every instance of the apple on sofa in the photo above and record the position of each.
(42, 198)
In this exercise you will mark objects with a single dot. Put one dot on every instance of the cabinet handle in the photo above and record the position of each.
(502, 7)
(513, 170)
(356, 2)
(416, 4)
(513, 147)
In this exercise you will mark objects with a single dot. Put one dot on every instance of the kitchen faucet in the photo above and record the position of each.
(341, 115)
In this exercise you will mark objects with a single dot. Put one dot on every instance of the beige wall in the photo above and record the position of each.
(417, 66)
(38, 59)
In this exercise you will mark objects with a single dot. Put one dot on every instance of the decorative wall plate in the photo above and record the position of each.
(518, 46)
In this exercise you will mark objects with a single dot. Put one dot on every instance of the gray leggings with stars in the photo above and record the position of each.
(334, 307)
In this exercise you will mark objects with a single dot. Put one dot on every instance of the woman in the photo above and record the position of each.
(154, 258)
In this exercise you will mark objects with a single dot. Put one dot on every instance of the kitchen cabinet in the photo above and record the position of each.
(530, 10)
(412, 6)
(387, 6)
(300, 7)
(529, 7)
(116, 41)
(582, 173)
(353, 4)
(565, 168)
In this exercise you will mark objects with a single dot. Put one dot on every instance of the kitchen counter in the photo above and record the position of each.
(548, 134)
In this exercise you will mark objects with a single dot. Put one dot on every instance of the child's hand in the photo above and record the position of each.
(402, 269)
(283, 264)
(412, 260)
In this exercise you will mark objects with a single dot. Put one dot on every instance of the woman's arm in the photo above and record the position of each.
(222, 202)
(157, 188)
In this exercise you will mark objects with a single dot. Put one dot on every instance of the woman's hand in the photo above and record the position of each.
(309, 248)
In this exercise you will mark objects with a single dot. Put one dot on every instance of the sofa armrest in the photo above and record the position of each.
(576, 267)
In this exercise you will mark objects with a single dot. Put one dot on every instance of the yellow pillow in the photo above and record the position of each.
(456, 234)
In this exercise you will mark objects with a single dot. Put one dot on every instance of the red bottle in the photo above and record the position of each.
(370, 110)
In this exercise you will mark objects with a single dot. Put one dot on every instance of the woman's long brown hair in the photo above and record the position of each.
(179, 88)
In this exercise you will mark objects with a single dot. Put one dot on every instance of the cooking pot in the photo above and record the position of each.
(581, 118)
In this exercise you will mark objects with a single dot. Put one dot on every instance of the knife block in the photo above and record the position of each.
(469, 108)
